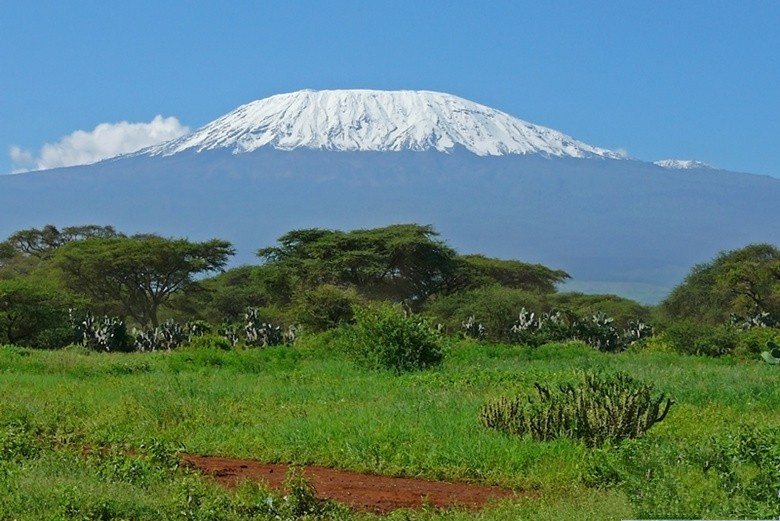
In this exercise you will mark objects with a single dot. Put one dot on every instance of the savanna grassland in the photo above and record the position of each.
(381, 351)
(716, 455)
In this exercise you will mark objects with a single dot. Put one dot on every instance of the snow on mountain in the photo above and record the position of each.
(682, 164)
(373, 120)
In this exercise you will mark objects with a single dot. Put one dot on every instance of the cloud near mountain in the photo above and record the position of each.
(105, 140)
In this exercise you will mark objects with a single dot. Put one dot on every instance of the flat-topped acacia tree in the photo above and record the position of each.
(397, 262)
(400, 262)
(138, 273)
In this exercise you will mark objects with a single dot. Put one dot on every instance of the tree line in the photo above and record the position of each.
(315, 277)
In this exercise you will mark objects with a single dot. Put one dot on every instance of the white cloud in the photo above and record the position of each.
(106, 140)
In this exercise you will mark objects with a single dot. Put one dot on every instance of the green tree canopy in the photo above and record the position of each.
(477, 270)
(227, 295)
(137, 274)
(745, 282)
(41, 243)
(28, 309)
(398, 262)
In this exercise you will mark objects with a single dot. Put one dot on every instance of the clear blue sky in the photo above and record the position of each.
(660, 79)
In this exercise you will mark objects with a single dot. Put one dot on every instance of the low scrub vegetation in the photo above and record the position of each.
(389, 337)
(599, 409)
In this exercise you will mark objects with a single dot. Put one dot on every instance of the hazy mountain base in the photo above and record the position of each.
(614, 225)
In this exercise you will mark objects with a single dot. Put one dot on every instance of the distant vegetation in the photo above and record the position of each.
(380, 350)
(98, 287)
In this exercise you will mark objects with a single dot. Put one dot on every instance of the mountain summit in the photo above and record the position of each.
(374, 120)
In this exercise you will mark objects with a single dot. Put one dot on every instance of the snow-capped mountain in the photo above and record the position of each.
(683, 164)
(490, 183)
(374, 120)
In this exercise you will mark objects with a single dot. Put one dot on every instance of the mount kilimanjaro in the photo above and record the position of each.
(488, 182)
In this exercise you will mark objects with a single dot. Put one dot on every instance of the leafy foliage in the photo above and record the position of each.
(138, 273)
(209, 341)
(227, 295)
(387, 337)
(772, 353)
(42, 243)
(259, 333)
(324, 307)
(693, 338)
(101, 333)
(597, 330)
(398, 262)
(473, 329)
(32, 313)
(534, 330)
(601, 408)
(475, 271)
(494, 307)
(744, 282)
(734, 473)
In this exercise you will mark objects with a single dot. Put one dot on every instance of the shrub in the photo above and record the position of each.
(217, 342)
(600, 408)
(599, 332)
(698, 339)
(169, 335)
(473, 329)
(656, 344)
(533, 330)
(33, 314)
(259, 333)
(101, 333)
(324, 307)
(753, 341)
(728, 475)
(494, 307)
(387, 337)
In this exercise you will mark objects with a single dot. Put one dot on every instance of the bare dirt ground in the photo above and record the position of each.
(363, 492)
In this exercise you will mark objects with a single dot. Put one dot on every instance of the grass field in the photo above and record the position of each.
(717, 455)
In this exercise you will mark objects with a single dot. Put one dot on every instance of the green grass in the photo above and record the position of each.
(309, 405)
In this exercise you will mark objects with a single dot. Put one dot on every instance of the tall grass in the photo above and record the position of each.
(312, 406)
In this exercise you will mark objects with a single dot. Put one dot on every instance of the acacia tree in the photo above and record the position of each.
(42, 243)
(400, 262)
(477, 270)
(138, 273)
(28, 309)
(744, 281)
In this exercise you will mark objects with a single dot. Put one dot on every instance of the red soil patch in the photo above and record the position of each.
(361, 492)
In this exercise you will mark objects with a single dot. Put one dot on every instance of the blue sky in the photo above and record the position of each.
(659, 79)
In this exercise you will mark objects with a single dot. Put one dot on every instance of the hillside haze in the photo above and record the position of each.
(489, 182)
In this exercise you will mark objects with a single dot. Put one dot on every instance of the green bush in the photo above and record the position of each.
(324, 307)
(387, 337)
(209, 341)
(753, 341)
(33, 314)
(622, 310)
(601, 408)
(692, 338)
(101, 333)
(494, 307)
(731, 475)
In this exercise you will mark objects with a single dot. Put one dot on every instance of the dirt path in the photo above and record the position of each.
(362, 492)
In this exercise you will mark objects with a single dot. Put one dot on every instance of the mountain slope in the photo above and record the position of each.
(489, 183)
(370, 120)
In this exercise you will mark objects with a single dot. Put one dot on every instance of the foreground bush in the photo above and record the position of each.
(691, 338)
(387, 337)
(601, 408)
(727, 475)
